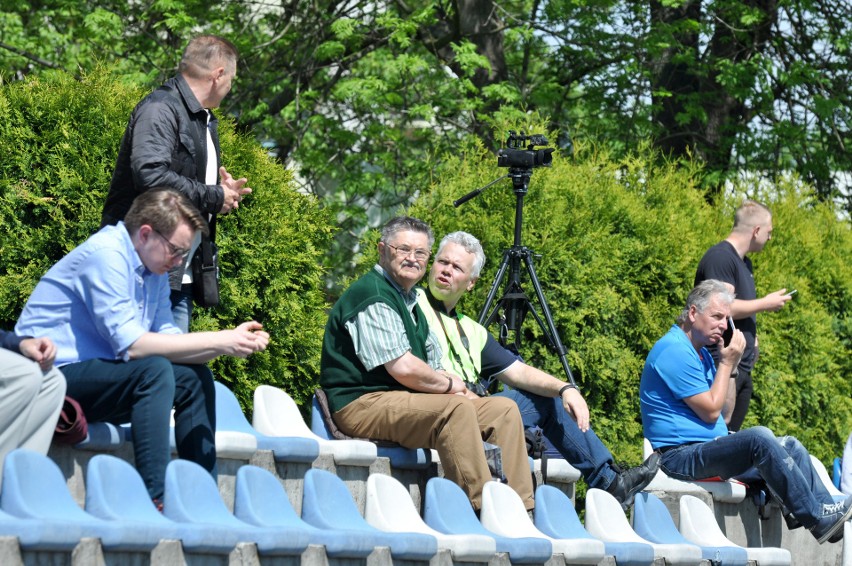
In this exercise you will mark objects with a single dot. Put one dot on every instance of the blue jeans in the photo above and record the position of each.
(182, 307)
(781, 462)
(583, 450)
(143, 392)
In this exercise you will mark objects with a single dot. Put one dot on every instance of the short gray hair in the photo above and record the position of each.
(205, 52)
(702, 294)
(750, 214)
(406, 224)
(470, 244)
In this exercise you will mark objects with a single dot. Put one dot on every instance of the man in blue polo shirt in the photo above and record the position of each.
(681, 396)
(106, 307)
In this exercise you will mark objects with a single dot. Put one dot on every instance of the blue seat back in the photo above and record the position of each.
(327, 503)
(652, 521)
(555, 515)
(115, 491)
(837, 471)
(229, 414)
(260, 499)
(192, 496)
(34, 487)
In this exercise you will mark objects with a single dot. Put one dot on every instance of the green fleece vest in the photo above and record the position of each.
(464, 362)
(342, 375)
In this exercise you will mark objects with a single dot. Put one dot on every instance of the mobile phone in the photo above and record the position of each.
(791, 293)
(729, 332)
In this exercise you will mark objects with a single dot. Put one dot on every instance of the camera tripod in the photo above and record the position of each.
(515, 303)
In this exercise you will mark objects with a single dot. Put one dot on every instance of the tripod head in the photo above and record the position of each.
(520, 160)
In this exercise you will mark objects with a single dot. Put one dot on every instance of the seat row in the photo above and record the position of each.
(37, 508)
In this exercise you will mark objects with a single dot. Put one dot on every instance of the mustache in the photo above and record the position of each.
(410, 264)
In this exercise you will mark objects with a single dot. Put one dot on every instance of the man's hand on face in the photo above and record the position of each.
(732, 353)
(40, 350)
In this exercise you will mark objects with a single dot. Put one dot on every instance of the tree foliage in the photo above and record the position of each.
(363, 99)
(60, 138)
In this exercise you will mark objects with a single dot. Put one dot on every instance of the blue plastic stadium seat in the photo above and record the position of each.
(555, 516)
(448, 510)
(115, 492)
(230, 417)
(34, 488)
(327, 504)
(400, 457)
(652, 521)
(192, 496)
(260, 500)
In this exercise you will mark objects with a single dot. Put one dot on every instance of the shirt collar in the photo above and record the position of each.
(136, 261)
(438, 305)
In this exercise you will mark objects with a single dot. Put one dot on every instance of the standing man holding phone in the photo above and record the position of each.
(728, 262)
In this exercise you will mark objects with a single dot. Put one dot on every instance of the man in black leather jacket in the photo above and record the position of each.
(172, 141)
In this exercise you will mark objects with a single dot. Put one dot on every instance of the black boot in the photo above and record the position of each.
(630, 482)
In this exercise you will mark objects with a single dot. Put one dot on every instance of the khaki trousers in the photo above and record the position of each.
(30, 401)
(454, 426)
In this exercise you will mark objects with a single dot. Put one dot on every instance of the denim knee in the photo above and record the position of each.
(793, 446)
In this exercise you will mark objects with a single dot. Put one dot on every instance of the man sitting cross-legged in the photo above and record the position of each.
(681, 395)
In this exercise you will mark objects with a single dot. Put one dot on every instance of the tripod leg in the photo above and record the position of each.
(550, 330)
(501, 273)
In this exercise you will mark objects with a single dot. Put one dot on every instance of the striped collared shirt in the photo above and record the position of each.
(379, 335)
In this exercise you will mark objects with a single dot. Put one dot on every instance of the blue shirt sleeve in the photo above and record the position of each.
(10, 341)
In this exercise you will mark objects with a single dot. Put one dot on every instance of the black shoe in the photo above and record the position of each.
(630, 482)
(829, 527)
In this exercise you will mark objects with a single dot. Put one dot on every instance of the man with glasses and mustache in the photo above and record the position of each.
(106, 307)
(382, 374)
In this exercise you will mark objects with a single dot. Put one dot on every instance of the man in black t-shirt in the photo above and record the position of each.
(727, 262)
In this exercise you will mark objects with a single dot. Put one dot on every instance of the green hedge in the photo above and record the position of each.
(619, 241)
(59, 139)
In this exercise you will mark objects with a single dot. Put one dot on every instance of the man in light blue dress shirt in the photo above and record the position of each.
(106, 307)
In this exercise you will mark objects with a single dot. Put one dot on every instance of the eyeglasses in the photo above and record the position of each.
(405, 251)
(174, 250)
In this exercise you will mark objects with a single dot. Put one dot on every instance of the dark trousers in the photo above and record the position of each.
(143, 392)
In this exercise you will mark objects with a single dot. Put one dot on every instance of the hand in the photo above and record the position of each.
(776, 301)
(732, 353)
(234, 189)
(246, 339)
(458, 383)
(40, 350)
(576, 406)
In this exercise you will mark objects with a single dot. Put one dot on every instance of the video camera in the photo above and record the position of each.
(515, 155)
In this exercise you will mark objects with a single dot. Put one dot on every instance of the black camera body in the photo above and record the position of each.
(515, 155)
